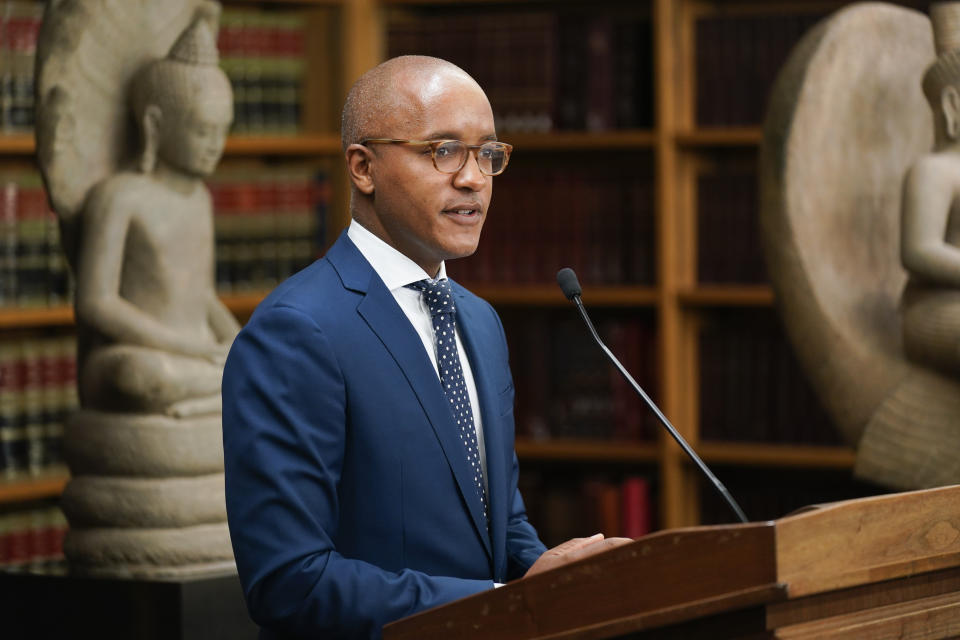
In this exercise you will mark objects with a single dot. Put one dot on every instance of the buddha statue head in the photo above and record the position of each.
(941, 82)
(183, 103)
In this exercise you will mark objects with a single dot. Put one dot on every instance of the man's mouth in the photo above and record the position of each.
(462, 211)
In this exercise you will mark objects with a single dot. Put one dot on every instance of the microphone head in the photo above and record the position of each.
(567, 280)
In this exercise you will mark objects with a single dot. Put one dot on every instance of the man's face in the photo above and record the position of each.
(192, 140)
(427, 215)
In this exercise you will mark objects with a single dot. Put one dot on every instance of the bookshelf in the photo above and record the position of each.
(685, 149)
(670, 148)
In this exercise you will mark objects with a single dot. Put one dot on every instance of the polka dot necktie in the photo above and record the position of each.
(439, 300)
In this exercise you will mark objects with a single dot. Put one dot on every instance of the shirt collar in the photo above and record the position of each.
(395, 269)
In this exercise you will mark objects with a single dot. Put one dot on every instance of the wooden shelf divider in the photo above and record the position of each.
(27, 317)
(581, 140)
(19, 144)
(302, 144)
(777, 455)
(242, 304)
(727, 295)
(572, 450)
(726, 137)
(544, 295)
(48, 484)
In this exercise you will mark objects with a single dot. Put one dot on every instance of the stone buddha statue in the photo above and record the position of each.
(156, 334)
(930, 229)
(146, 493)
(861, 226)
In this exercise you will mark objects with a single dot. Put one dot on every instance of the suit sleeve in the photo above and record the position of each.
(523, 543)
(284, 425)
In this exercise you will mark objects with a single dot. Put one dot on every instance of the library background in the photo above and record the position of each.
(636, 128)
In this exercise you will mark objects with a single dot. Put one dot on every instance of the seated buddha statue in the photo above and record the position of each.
(930, 222)
(153, 333)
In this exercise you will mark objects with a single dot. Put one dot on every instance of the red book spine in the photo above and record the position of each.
(635, 492)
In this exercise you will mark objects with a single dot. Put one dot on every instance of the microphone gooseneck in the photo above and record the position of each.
(570, 286)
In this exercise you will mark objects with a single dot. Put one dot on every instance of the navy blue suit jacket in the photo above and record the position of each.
(349, 496)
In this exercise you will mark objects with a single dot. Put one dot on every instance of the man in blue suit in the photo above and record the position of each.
(368, 475)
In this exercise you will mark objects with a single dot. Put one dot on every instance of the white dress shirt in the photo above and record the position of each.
(397, 270)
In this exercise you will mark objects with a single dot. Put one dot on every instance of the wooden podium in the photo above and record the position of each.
(881, 567)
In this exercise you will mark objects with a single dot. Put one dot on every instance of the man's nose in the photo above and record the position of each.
(470, 176)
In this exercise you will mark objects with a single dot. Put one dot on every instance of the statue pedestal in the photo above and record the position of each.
(207, 607)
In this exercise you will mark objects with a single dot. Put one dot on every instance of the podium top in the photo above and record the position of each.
(855, 542)
(680, 574)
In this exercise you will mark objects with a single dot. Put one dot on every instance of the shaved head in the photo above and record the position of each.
(391, 91)
(396, 191)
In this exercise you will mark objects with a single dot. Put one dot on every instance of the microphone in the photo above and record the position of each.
(567, 280)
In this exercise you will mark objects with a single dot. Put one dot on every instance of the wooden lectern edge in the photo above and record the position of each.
(612, 588)
(855, 542)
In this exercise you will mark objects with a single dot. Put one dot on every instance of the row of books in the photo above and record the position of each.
(263, 53)
(752, 387)
(597, 219)
(729, 249)
(566, 388)
(543, 70)
(19, 26)
(33, 271)
(32, 540)
(565, 507)
(38, 389)
(270, 223)
(737, 59)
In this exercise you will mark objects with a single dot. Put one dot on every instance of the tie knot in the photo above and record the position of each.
(437, 295)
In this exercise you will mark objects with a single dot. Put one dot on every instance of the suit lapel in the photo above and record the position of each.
(477, 341)
(383, 315)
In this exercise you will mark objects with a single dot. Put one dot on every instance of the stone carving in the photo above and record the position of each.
(145, 454)
(846, 121)
(930, 242)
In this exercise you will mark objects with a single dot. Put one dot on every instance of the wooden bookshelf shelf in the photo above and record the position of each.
(732, 296)
(581, 140)
(569, 450)
(726, 137)
(240, 304)
(292, 145)
(776, 455)
(543, 295)
(430, 3)
(46, 485)
(20, 144)
(243, 304)
(320, 3)
(39, 317)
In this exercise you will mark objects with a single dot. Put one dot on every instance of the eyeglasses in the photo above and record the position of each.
(449, 156)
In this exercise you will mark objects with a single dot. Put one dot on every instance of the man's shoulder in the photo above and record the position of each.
(315, 291)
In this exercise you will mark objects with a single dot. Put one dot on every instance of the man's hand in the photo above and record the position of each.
(574, 549)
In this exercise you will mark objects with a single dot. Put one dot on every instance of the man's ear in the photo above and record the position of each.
(950, 103)
(359, 167)
(152, 117)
